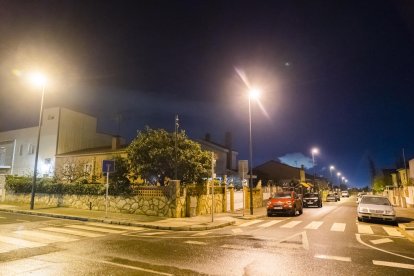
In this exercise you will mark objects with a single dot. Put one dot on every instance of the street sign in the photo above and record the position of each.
(248, 176)
(108, 166)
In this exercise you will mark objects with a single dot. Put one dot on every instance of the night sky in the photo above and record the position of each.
(334, 74)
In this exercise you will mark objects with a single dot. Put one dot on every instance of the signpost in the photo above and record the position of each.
(108, 166)
(243, 167)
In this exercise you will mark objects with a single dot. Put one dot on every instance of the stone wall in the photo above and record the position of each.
(2, 187)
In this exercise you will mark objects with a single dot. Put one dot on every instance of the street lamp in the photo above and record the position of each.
(37, 79)
(253, 94)
(338, 174)
(331, 168)
(314, 151)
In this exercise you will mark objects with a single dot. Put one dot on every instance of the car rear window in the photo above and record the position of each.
(282, 195)
(375, 200)
(311, 195)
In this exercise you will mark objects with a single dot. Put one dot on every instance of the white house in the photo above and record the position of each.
(63, 130)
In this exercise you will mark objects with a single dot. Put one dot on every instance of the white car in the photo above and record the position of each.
(375, 208)
(345, 194)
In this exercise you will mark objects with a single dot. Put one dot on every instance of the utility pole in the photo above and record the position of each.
(175, 148)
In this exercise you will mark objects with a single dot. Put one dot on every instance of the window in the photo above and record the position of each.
(2, 156)
(31, 149)
(48, 161)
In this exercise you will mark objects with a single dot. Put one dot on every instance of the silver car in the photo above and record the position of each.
(375, 208)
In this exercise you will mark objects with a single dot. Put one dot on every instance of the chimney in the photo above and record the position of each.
(228, 140)
(116, 142)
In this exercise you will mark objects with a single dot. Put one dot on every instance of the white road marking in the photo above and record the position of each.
(358, 237)
(5, 247)
(380, 241)
(201, 233)
(72, 232)
(250, 222)
(392, 264)
(2, 217)
(314, 225)
(270, 223)
(336, 258)
(116, 226)
(365, 229)
(134, 268)
(237, 230)
(338, 227)
(304, 239)
(96, 229)
(392, 231)
(291, 224)
(196, 242)
(21, 243)
(153, 233)
(41, 236)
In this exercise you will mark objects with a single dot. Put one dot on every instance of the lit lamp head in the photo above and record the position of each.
(37, 79)
(332, 168)
(254, 93)
(315, 151)
(338, 174)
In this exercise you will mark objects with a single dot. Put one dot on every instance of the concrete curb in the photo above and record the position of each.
(195, 227)
(407, 230)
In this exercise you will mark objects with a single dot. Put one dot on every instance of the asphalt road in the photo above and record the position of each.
(321, 241)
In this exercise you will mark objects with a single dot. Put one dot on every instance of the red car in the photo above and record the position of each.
(284, 203)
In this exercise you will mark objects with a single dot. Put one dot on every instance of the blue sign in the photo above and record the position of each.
(108, 166)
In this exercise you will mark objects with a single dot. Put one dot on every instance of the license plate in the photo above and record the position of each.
(278, 207)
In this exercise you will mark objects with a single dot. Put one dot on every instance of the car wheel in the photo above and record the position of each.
(293, 212)
(360, 219)
(269, 214)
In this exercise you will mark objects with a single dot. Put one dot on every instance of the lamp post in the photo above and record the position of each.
(253, 94)
(314, 151)
(338, 174)
(38, 80)
(331, 168)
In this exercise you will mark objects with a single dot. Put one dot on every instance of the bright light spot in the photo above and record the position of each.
(338, 174)
(37, 79)
(315, 151)
(332, 167)
(254, 93)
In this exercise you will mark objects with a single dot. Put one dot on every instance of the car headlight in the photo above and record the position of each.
(389, 212)
(363, 210)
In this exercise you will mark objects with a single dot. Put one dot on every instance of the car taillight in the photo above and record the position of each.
(269, 203)
(289, 202)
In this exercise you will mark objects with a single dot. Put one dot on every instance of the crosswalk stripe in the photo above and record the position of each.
(338, 227)
(201, 233)
(46, 237)
(72, 232)
(2, 217)
(314, 225)
(381, 241)
(392, 231)
(336, 258)
(237, 230)
(250, 222)
(364, 229)
(291, 224)
(270, 223)
(6, 247)
(392, 264)
(20, 243)
(97, 229)
(116, 226)
(196, 242)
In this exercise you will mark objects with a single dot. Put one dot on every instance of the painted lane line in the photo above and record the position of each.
(237, 230)
(233, 246)
(338, 227)
(41, 236)
(314, 225)
(96, 229)
(270, 223)
(116, 226)
(196, 242)
(336, 258)
(72, 232)
(381, 241)
(364, 229)
(250, 222)
(134, 268)
(2, 217)
(392, 231)
(21, 243)
(358, 237)
(201, 233)
(291, 224)
(391, 264)
(153, 233)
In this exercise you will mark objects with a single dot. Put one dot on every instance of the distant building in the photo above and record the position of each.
(63, 130)
(226, 157)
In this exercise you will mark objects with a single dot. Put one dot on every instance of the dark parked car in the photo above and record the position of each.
(312, 199)
(284, 203)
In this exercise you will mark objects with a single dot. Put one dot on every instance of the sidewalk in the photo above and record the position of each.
(178, 224)
(405, 218)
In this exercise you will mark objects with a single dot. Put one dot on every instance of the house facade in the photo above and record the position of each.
(63, 130)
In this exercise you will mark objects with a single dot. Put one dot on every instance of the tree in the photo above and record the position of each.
(152, 156)
(379, 184)
(372, 169)
(71, 171)
(119, 182)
